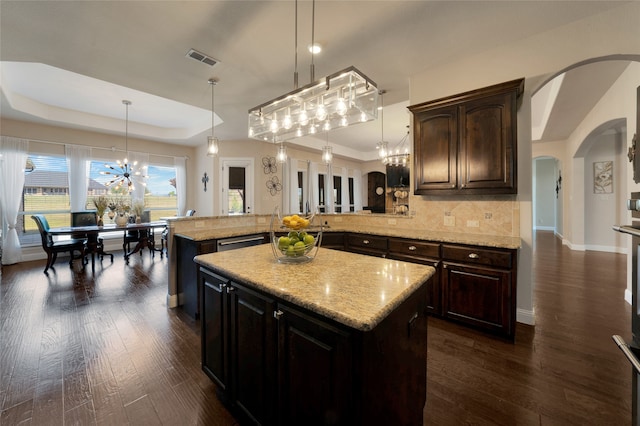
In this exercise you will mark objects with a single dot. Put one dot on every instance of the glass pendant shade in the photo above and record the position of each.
(281, 156)
(327, 154)
(341, 99)
(212, 146)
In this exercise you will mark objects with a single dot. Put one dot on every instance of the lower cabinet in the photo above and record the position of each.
(239, 347)
(187, 271)
(372, 245)
(278, 364)
(314, 370)
(479, 287)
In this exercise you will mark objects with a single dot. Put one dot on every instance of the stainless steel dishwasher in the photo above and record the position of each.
(233, 243)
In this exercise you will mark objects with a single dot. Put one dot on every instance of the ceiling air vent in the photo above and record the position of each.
(201, 57)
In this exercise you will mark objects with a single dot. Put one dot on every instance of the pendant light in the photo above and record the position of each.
(341, 99)
(382, 146)
(124, 172)
(281, 156)
(327, 153)
(212, 141)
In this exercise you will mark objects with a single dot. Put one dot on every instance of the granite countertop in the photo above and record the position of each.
(355, 290)
(426, 235)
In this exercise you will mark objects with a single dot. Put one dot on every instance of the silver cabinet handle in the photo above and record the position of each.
(365, 241)
(277, 314)
(627, 352)
(473, 256)
(413, 248)
(230, 289)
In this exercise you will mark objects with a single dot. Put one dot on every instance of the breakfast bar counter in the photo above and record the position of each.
(338, 340)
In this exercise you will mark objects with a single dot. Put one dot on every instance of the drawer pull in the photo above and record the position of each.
(365, 241)
(230, 289)
(277, 314)
(473, 256)
(413, 248)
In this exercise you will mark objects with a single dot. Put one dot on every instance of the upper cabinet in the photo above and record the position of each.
(467, 143)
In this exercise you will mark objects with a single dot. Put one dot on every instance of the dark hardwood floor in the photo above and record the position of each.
(102, 348)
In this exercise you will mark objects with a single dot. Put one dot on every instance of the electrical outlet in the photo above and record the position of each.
(473, 224)
(262, 220)
(488, 216)
(449, 221)
(337, 219)
(199, 224)
(392, 221)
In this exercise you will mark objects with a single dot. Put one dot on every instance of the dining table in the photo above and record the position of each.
(91, 233)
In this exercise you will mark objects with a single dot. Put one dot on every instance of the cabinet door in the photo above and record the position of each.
(253, 351)
(481, 297)
(488, 144)
(314, 370)
(214, 323)
(435, 149)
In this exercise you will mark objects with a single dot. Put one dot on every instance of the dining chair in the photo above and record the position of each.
(95, 244)
(52, 247)
(165, 233)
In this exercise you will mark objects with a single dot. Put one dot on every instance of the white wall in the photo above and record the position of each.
(602, 211)
(545, 194)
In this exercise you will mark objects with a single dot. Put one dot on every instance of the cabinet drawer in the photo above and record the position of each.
(208, 246)
(367, 241)
(478, 256)
(414, 248)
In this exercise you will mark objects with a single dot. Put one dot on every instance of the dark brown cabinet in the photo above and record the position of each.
(239, 346)
(467, 143)
(279, 364)
(479, 287)
(425, 253)
(314, 370)
(372, 245)
(333, 240)
(187, 271)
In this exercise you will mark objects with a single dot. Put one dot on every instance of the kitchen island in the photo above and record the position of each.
(339, 340)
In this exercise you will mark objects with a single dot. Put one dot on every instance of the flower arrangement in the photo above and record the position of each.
(101, 202)
(138, 208)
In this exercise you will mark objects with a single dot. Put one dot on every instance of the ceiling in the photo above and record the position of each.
(71, 64)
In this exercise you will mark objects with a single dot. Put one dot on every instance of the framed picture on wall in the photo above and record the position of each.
(603, 177)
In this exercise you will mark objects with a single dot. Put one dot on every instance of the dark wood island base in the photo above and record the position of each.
(278, 362)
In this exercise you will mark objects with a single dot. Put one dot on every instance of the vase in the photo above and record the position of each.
(122, 219)
(100, 221)
(111, 214)
(138, 219)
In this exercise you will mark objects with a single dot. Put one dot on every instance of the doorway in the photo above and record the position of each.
(376, 192)
(236, 175)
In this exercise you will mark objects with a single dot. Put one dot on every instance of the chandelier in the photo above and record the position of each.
(339, 100)
(124, 172)
(212, 141)
(398, 156)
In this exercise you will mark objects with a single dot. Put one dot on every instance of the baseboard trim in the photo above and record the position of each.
(525, 316)
(172, 300)
(544, 228)
(607, 249)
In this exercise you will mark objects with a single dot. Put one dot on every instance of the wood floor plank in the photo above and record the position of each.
(82, 347)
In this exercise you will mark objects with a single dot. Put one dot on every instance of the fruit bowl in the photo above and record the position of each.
(295, 238)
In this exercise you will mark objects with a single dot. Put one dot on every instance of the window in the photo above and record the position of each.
(46, 191)
(301, 192)
(321, 200)
(337, 193)
(352, 202)
(159, 195)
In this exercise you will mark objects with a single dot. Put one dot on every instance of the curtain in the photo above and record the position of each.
(13, 157)
(294, 202)
(78, 158)
(181, 183)
(139, 181)
(357, 190)
(345, 190)
(312, 192)
(329, 202)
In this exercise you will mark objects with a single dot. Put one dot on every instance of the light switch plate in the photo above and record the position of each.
(473, 224)
(337, 219)
(262, 220)
(392, 221)
(449, 221)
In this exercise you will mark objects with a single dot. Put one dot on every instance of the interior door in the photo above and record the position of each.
(236, 197)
